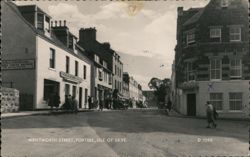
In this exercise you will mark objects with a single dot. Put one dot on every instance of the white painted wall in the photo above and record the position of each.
(44, 72)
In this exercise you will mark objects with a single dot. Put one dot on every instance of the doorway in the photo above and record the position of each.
(80, 97)
(191, 104)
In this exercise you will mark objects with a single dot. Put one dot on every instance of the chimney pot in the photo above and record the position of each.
(60, 23)
(55, 23)
(64, 23)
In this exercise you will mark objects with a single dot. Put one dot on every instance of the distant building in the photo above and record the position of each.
(125, 83)
(40, 59)
(212, 59)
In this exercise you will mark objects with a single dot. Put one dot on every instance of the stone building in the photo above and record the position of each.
(212, 59)
(39, 59)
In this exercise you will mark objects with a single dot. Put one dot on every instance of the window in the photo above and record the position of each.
(67, 64)
(215, 69)
(47, 24)
(190, 72)
(215, 34)
(100, 75)
(115, 70)
(97, 59)
(76, 68)
(40, 22)
(190, 38)
(235, 101)
(67, 89)
(235, 68)
(104, 64)
(52, 58)
(224, 3)
(50, 87)
(216, 99)
(84, 71)
(110, 79)
(235, 33)
(74, 91)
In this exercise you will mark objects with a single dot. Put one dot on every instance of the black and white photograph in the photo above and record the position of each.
(121, 78)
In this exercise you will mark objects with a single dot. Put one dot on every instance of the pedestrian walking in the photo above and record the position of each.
(90, 102)
(169, 105)
(210, 115)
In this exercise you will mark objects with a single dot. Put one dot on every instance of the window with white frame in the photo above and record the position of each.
(215, 69)
(215, 33)
(216, 99)
(190, 71)
(104, 64)
(235, 101)
(235, 68)
(97, 59)
(190, 38)
(235, 33)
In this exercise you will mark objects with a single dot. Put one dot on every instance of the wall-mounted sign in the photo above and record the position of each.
(19, 64)
(69, 77)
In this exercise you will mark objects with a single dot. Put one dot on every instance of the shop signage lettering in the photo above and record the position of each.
(70, 77)
(18, 64)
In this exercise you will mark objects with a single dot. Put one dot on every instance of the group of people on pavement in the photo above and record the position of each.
(70, 104)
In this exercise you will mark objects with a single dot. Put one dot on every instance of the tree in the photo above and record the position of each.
(161, 89)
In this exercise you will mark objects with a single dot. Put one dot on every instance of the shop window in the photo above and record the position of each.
(235, 33)
(67, 89)
(67, 64)
(215, 34)
(235, 68)
(215, 69)
(50, 87)
(235, 101)
(74, 91)
(52, 58)
(216, 99)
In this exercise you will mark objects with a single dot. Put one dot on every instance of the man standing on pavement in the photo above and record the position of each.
(210, 115)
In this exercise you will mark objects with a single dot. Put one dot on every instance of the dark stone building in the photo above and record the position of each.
(212, 59)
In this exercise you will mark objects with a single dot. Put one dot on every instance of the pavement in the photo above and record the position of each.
(131, 133)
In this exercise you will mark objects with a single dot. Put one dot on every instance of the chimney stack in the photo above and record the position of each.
(87, 35)
(180, 11)
(64, 23)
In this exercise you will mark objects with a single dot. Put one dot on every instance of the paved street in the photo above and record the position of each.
(122, 134)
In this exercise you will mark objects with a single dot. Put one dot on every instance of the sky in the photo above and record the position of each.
(142, 33)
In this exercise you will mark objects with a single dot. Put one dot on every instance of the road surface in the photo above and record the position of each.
(124, 134)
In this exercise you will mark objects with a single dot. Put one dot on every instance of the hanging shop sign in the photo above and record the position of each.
(19, 64)
(71, 78)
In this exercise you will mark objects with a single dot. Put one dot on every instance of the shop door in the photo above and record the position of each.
(80, 97)
(191, 104)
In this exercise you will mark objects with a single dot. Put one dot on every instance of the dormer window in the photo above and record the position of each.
(97, 59)
(47, 24)
(224, 3)
(40, 21)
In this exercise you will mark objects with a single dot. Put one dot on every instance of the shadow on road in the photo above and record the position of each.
(132, 122)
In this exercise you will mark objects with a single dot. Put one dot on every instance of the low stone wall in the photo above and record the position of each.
(10, 100)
